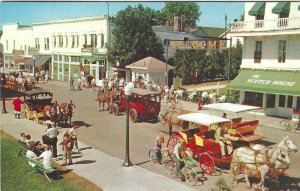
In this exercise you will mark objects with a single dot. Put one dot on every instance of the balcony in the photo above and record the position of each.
(266, 25)
(89, 49)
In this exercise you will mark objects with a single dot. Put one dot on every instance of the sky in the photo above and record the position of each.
(26, 13)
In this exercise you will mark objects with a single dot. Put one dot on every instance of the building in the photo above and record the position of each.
(270, 69)
(66, 48)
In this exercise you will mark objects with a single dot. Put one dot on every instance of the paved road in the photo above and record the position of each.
(107, 132)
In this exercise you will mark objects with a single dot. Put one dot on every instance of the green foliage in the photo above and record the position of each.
(16, 174)
(221, 185)
(134, 38)
(187, 11)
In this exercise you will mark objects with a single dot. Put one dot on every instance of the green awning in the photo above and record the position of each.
(282, 7)
(258, 9)
(267, 81)
(94, 57)
(40, 60)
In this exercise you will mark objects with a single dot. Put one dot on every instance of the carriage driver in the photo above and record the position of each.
(220, 138)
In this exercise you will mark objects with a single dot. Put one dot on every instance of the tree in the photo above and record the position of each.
(187, 11)
(134, 38)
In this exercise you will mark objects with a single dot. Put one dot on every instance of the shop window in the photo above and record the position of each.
(60, 58)
(93, 40)
(258, 52)
(282, 51)
(290, 102)
(253, 98)
(55, 57)
(298, 104)
(271, 100)
(281, 100)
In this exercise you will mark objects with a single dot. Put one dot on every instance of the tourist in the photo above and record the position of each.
(159, 142)
(50, 138)
(66, 146)
(79, 81)
(72, 84)
(31, 154)
(220, 138)
(17, 106)
(73, 132)
(93, 83)
(47, 157)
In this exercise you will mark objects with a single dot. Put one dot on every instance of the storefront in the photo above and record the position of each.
(277, 92)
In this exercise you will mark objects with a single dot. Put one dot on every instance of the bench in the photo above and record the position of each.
(40, 168)
(23, 147)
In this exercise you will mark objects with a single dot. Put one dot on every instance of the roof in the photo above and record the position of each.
(230, 107)
(150, 64)
(202, 118)
(32, 93)
(73, 20)
(40, 60)
(210, 31)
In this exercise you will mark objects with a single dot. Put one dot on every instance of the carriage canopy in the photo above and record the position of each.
(202, 118)
(230, 107)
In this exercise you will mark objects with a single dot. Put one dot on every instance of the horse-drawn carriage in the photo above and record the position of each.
(199, 136)
(143, 104)
(35, 102)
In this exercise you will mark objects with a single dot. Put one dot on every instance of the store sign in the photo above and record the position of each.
(18, 52)
(198, 44)
(255, 80)
(33, 51)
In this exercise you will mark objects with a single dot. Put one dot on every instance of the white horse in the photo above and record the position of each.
(253, 162)
(222, 99)
(286, 144)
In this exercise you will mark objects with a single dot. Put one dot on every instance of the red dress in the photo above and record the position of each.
(17, 104)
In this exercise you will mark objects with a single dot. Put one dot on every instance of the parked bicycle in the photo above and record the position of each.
(161, 157)
(289, 124)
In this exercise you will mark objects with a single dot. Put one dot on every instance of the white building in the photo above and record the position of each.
(71, 46)
(270, 69)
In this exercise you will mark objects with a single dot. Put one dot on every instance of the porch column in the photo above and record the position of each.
(264, 104)
(99, 40)
(52, 67)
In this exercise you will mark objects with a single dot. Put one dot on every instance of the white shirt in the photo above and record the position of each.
(176, 150)
(47, 159)
(52, 132)
(93, 81)
(31, 154)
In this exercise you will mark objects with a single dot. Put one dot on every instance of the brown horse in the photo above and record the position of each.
(105, 98)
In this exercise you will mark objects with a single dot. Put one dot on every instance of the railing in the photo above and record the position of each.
(266, 25)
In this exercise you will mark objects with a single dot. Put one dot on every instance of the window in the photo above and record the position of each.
(60, 57)
(66, 44)
(75, 59)
(46, 43)
(6, 44)
(290, 102)
(258, 52)
(281, 100)
(282, 51)
(14, 45)
(77, 41)
(37, 43)
(85, 39)
(66, 58)
(253, 98)
(271, 100)
(60, 41)
(55, 57)
(298, 104)
(166, 42)
(259, 23)
(54, 41)
(73, 41)
(102, 40)
(25, 47)
(93, 40)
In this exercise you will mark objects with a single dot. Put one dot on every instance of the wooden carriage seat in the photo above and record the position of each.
(247, 128)
(236, 121)
(188, 135)
(209, 143)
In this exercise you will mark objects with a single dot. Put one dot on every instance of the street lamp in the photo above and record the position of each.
(117, 81)
(127, 92)
(3, 92)
(33, 66)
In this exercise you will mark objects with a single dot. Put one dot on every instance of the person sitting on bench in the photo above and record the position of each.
(219, 138)
(31, 154)
(47, 157)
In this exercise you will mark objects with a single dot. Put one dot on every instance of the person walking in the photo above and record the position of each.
(79, 81)
(71, 84)
(74, 133)
(93, 83)
(50, 138)
(17, 106)
(67, 148)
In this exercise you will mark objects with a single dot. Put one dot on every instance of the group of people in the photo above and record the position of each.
(47, 150)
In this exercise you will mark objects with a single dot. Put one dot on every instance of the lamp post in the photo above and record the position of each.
(117, 81)
(167, 45)
(33, 66)
(3, 92)
(127, 91)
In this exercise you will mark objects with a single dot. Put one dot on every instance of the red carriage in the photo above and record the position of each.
(199, 137)
(143, 105)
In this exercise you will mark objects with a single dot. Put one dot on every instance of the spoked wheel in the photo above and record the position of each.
(133, 115)
(115, 109)
(207, 164)
(35, 117)
(191, 176)
(173, 140)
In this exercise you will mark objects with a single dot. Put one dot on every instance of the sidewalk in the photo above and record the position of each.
(99, 168)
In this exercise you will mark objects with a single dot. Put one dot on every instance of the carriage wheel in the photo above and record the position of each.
(207, 164)
(173, 140)
(35, 117)
(115, 109)
(133, 115)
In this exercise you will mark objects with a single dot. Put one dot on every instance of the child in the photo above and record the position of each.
(66, 146)
(160, 140)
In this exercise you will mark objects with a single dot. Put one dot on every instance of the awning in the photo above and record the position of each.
(258, 9)
(40, 60)
(268, 81)
(282, 7)
(94, 57)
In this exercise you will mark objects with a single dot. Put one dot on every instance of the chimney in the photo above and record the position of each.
(176, 23)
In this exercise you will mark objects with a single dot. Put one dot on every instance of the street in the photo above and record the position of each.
(106, 132)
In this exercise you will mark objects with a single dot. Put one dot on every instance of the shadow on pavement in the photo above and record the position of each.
(142, 163)
(81, 124)
(85, 162)
(82, 149)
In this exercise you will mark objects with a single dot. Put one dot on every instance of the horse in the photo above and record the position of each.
(52, 111)
(286, 144)
(63, 113)
(105, 98)
(259, 162)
